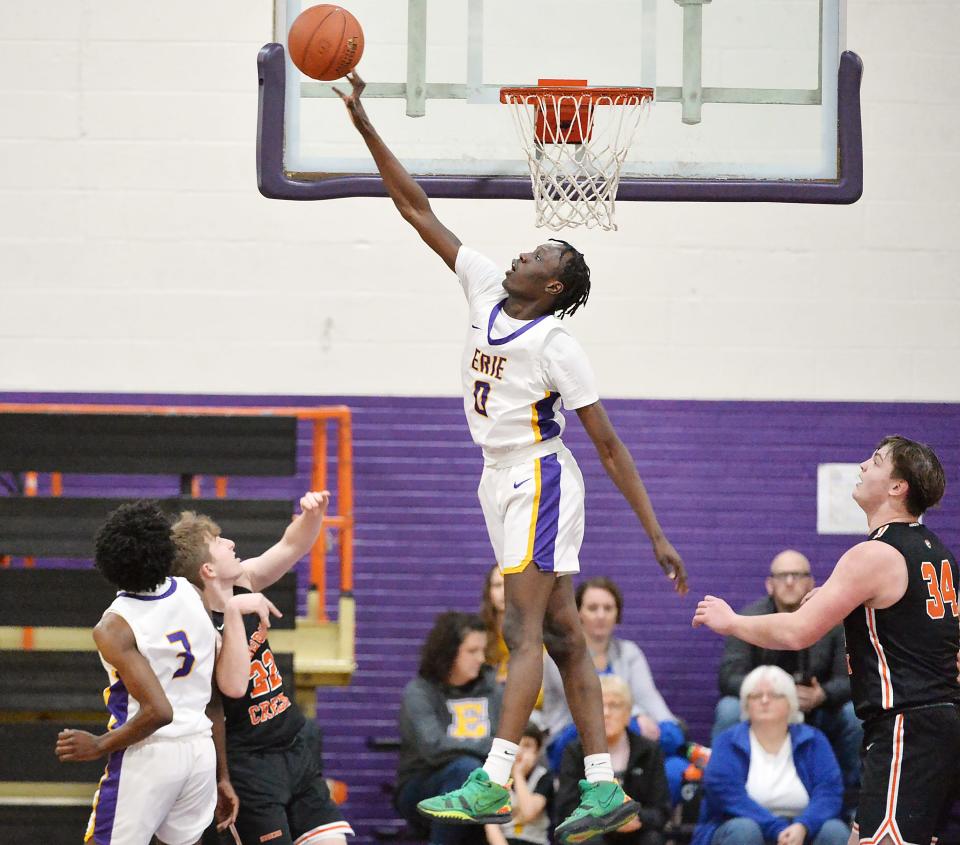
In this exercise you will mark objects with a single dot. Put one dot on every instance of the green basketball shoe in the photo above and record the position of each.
(478, 801)
(604, 806)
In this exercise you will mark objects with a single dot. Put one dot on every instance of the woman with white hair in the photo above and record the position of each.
(771, 780)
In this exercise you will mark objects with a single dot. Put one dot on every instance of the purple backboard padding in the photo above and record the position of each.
(274, 182)
(733, 484)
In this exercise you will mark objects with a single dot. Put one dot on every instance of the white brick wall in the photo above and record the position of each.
(136, 254)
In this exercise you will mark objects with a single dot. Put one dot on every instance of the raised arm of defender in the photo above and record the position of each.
(870, 574)
(407, 195)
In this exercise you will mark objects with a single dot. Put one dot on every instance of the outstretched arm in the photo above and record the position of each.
(407, 195)
(868, 572)
(117, 644)
(297, 540)
(619, 465)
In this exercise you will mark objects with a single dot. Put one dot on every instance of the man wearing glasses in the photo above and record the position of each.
(823, 687)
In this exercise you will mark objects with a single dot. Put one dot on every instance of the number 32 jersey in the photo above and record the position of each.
(266, 716)
(906, 655)
(515, 372)
(173, 632)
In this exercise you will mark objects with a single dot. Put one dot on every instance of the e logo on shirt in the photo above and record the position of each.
(469, 718)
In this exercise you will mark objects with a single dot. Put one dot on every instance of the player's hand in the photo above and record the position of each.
(254, 603)
(228, 804)
(315, 503)
(792, 835)
(810, 696)
(358, 114)
(670, 562)
(77, 746)
(808, 596)
(716, 614)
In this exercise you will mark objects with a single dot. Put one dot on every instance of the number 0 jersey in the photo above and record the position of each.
(173, 632)
(267, 715)
(906, 655)
(515, 372)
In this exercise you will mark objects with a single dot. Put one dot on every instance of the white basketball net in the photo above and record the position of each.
(583, 141)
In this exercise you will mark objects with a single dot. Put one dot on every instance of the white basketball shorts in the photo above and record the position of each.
(166, 787)
(534, 513)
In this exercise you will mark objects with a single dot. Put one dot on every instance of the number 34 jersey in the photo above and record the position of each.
(515, 372)
(173, 632)
(906, 655)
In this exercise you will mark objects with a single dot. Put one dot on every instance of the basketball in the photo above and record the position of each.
(325, 42)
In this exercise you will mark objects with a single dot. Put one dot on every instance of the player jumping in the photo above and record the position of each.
(518, 363)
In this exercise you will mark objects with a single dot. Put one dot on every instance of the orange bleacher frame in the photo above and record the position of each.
(342, 520)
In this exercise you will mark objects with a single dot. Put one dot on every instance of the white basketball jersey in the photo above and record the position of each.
(511, 389)
(175, 634)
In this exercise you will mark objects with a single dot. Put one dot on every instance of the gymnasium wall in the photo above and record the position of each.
(733, 482)
(138, 261)
(137, 255)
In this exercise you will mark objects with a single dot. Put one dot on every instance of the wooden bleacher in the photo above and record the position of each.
(48, 611)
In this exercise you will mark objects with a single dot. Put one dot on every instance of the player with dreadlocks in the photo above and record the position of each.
(519, 362)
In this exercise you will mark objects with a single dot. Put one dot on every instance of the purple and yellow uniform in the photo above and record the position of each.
(515, 375)
(166, 784)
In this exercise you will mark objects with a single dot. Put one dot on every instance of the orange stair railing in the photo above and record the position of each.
(341, 520)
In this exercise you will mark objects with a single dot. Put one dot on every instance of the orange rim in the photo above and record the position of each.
(549, 93)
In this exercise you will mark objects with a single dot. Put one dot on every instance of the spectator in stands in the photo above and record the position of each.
(447, 719)
(600, 603)
(820, 672)
(771, 780)
(492, 608)
(637, 763)
(531, 796)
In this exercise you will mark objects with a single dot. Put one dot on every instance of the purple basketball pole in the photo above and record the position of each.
(275, 183)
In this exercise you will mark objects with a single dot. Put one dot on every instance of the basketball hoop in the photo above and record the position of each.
(576, 139)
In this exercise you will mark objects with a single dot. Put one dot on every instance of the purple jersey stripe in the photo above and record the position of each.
(548, 426)
(106, 807)
(168, 592)
(499, 341)
(548, 513)
(117, 700)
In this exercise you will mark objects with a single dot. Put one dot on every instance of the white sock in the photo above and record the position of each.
(500, 760)
(597, 767)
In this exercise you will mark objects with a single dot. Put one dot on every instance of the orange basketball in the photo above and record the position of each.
(325, 42)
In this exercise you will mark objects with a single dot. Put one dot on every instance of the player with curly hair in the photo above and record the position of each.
(160, 651)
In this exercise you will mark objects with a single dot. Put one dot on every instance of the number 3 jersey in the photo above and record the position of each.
(173, 632)
(267, 715)
(905, 655)
(515, 372)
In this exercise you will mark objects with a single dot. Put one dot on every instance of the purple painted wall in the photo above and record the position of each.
(733, 483)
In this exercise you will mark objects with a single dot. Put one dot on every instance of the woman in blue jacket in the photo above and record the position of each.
(771, 780)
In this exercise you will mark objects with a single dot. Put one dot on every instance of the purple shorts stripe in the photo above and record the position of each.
(106, 808)
(548, 513)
